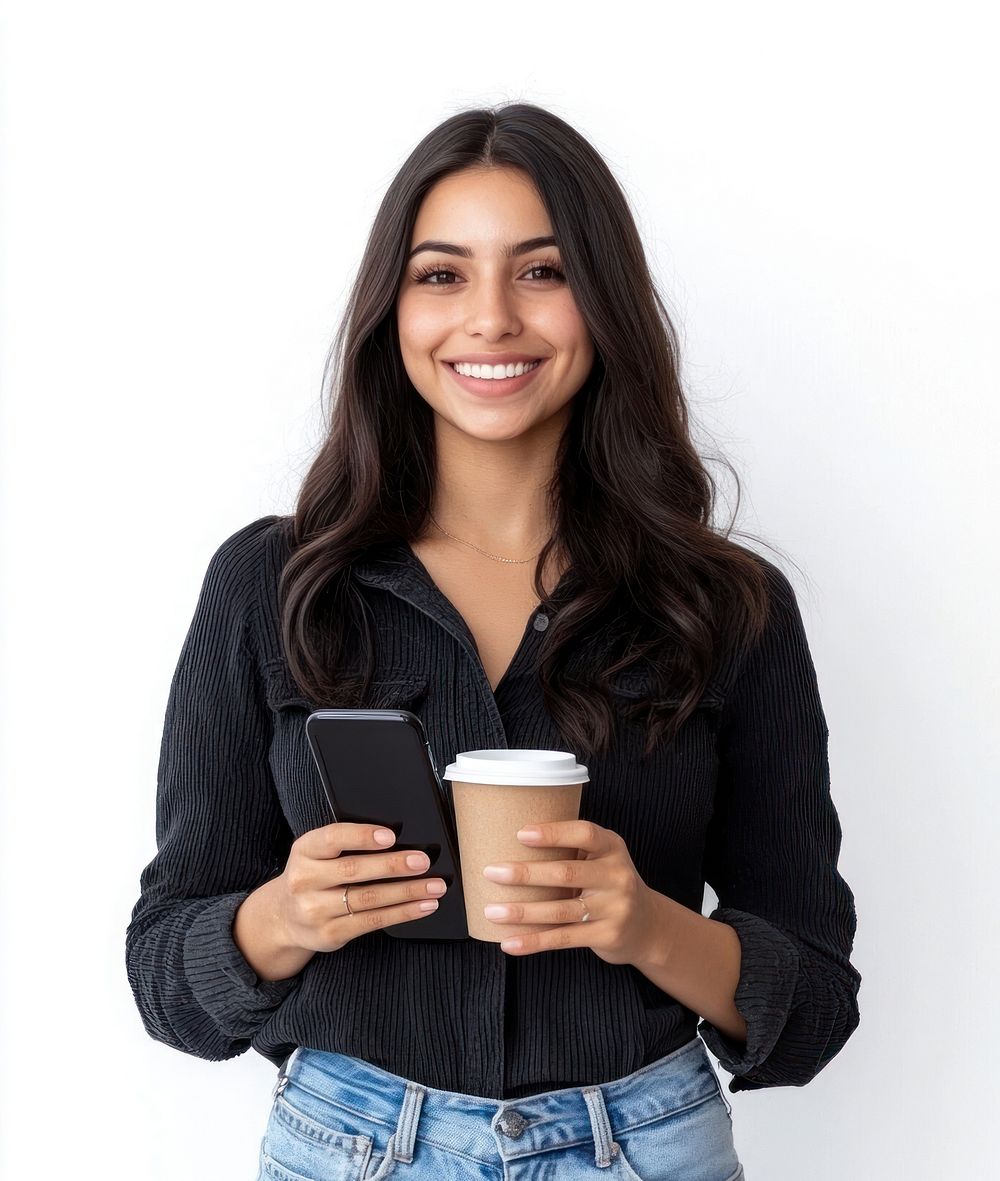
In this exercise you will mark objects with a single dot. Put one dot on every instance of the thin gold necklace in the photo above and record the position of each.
(513, 561)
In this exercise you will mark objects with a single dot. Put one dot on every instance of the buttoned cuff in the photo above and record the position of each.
(222, 981)
(769, 970)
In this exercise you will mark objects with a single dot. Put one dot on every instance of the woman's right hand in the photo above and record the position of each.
(310, 890)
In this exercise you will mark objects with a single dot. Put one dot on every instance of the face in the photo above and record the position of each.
(451, 307)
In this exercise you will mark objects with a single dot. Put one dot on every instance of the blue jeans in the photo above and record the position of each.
(337, 1118)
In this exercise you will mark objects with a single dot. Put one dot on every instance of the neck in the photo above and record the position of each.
(493, 494)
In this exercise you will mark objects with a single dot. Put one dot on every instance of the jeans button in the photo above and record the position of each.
(512, 1123)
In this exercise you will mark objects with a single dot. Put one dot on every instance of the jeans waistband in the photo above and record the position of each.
(470, 1123)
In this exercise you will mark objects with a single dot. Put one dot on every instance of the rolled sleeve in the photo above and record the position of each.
(220, 829)
(771, 857)
(226, 987)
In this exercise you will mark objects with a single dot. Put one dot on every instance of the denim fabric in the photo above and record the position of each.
(337, 1118)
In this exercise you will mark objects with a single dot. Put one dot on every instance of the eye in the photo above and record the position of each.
(425, 276)
(544, 266)
(431, 272)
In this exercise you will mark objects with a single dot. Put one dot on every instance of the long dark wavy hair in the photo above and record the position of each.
(653, 583)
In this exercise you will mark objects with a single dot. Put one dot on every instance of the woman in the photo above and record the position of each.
(522, 559)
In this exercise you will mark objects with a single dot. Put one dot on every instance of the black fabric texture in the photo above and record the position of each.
(740, 799)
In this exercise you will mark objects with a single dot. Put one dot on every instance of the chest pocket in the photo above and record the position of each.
(283, 693)
(401, 690)
(392, 688)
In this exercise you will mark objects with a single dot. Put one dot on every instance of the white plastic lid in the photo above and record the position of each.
(517, 768)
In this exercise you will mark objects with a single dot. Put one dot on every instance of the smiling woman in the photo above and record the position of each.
(507, 520)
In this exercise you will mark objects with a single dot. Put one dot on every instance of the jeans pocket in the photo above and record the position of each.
(298, 1147)
(695, 1143)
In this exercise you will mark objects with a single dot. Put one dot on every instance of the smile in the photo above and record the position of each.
(492, 387)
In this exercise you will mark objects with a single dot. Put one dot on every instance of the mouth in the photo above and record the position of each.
(494, 387)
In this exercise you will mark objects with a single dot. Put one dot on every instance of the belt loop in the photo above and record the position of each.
(401, 1142)
(605, 1149)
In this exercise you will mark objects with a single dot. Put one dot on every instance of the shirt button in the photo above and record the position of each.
(541, 622)
(512, 1123)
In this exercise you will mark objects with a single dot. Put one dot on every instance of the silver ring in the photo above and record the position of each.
(586, 912)
(346, 903)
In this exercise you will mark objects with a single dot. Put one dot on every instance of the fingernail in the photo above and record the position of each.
(499, 873)
(529, 834)
(495, 912)
(384, 836)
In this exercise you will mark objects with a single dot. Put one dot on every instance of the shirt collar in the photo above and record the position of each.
(394, 567)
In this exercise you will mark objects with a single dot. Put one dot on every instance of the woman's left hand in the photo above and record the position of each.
(625, 914)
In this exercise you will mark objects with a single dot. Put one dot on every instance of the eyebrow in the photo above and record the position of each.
(511, 250)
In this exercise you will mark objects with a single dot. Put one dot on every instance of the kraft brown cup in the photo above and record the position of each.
(495, 793)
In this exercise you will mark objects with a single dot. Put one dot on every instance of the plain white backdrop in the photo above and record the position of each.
(187, 189)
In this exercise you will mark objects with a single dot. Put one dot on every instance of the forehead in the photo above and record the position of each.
(482, 208)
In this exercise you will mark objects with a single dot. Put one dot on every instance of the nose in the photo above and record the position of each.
(492, 310)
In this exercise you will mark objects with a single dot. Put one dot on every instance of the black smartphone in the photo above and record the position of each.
(377, 767)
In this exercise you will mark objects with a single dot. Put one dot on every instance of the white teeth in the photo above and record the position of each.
(495, 372)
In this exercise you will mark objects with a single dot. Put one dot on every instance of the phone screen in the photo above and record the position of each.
(377, 767)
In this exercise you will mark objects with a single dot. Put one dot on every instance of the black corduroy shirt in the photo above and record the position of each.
(740, 799)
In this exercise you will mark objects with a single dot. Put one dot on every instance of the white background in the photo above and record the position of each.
(187, 189)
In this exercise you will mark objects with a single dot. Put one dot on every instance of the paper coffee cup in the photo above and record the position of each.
(495, 793)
